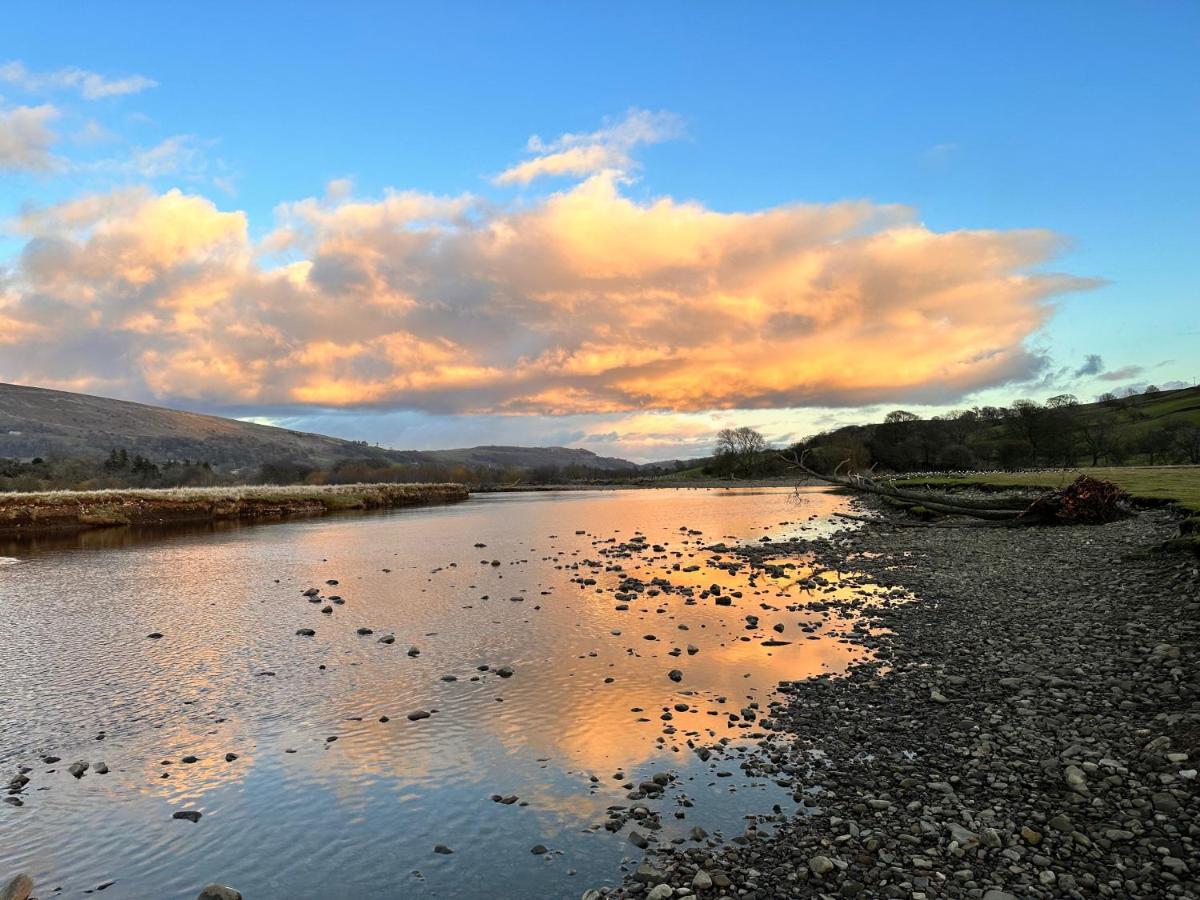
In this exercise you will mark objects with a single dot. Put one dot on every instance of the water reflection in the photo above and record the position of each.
(565, 590)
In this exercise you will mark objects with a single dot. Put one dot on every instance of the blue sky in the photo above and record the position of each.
(1082, 119)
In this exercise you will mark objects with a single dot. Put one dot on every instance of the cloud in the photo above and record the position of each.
(1122, 373)
(582, 302)
(604, 150)
(26, 138)
(1092, 365)
(90, 85)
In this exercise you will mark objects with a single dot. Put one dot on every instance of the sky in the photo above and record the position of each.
(606, 225)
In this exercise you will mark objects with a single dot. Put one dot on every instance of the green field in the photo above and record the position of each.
(1179, 485)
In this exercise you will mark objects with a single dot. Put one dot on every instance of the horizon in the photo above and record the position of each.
(792, 228)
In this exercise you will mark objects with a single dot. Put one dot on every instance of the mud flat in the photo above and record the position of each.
(1030, 727)
(57, 511)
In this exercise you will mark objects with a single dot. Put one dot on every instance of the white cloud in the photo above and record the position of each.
(26, 138)
(584, 302)
(90, 85)
(606, 149)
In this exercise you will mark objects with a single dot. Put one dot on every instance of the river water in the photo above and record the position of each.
(326, 800)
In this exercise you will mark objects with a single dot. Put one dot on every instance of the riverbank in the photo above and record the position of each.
(1030, 727)
(60, 511)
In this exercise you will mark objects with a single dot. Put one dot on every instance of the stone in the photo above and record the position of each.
(820, 865)
(702, 881)
(219, 892)
(190, 814)
(675, 675)
(19, 887)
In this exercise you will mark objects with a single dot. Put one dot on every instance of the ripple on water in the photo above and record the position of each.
(295, 810)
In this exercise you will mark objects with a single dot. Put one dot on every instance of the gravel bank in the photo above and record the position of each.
(1029, 728)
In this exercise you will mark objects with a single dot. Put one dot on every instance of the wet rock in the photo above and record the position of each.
(219, 892)
(190, 814)
(505, 671)
(675, 675)
(154, 635)
(305, 632)
(443, 849)
(417, 715)
(19, 887)
(78, 768)
(539, 849)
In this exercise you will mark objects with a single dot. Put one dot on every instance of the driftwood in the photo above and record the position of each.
(1085, 501)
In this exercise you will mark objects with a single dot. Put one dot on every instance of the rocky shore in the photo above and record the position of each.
(58, 511)
(1029, 727)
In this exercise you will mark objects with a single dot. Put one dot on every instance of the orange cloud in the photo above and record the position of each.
(585, 301)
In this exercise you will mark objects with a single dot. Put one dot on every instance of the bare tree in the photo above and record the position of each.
(740, 449)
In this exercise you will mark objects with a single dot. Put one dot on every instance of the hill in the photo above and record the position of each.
(1151, 428)
(37, 422)
(531, 458)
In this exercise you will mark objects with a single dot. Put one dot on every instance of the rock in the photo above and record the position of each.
(1061, 823)
(995, 894)
(1075, 779)
(230, 757)
(78, 768)
(388, 639)
(539, 849)
(702, 881)
(154, 635)
(100, 768)
(1030, 836)
(820, 865)
(364, 630)
(505, 672)
(19, 887)
(1165, 802)
(219, 892)
(443, 849)
(190, 814)
(675, 675)
(638, 840)
(305, 632)
(660, 892)
(417, 715)
(648, 874)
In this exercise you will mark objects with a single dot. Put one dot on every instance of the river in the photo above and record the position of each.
(326, 800)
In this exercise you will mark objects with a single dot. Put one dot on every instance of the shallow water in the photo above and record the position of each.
(359, 816)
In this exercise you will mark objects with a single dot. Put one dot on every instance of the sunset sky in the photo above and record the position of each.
(606, 225)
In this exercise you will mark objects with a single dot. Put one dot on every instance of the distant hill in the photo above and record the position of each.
(531, 458)
(57, 424)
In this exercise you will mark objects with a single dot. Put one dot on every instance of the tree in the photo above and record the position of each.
(739, 450)
(1099, 437)
(1062, 401)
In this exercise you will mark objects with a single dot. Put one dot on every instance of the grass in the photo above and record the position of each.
(1176, 485)
(46, 510)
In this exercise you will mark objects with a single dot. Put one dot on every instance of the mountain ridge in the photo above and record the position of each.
(45, 422)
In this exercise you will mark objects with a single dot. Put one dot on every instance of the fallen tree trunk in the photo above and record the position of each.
(1085, 501)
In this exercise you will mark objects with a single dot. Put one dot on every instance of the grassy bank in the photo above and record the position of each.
(1176, 485)
(27, 513)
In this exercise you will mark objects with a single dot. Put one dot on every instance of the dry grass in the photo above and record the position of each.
(1179, 485)
(53, 510)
